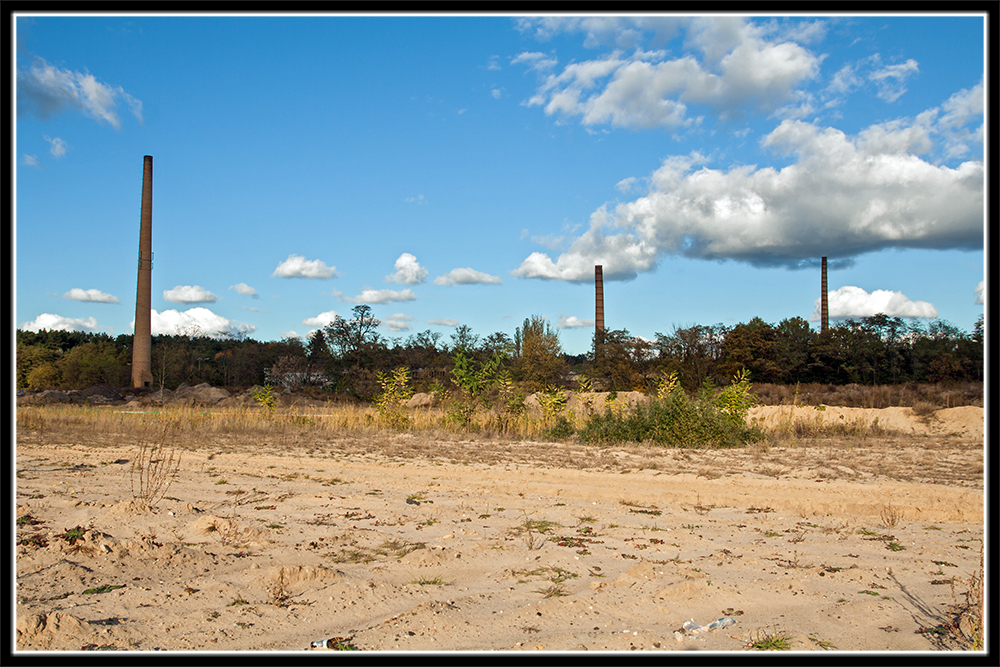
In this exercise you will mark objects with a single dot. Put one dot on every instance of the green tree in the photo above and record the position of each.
(752, 346)
(692, 352)
(351, 338)
(358, 352)
(31, 357)
(794, 336)
(538, 354)
(94, 363)
(463, 339)
(621, 360)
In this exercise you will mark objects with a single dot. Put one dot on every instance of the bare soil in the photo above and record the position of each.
(402, 542)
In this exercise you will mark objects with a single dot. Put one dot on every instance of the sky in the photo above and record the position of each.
(473, 169)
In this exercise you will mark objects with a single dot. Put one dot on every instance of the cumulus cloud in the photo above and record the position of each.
(398, 322)
(92, 295)
(321, 320)
(573, 322)
(849, 301)
(189, 294)
(620, 31)
(369, 295)
(535, 61)
(467, 276)
(52, 322)
(245, 290)
(408, 271)
(444, 322)
(839, 196)
(56, 146)
(891, 79)
(297, 266)
(196, 322)
(981, 292)
(45, 90)
(731, 66)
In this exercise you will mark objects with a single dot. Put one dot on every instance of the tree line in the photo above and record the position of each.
(346, 357)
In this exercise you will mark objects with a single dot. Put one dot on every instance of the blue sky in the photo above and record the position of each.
(472, 170)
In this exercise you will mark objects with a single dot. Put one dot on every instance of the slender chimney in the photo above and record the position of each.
(824, 309)
(142, 375)
(599, 295)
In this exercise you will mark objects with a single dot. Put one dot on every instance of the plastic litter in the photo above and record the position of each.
(693, 628)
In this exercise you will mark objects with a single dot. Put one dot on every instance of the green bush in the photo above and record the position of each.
(673, 419)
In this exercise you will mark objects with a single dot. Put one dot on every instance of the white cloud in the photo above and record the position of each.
(467, 276)
(891, 79)
(849, 301)
(53, 322)
(189, 294)
(56, 146)
(408, 271)
(92, 295)
(369, 295)
(493, 64)
(30, 160)
(740, 70)
(195, 322)
(297, 266)
(444, 322)
(573, 322)
(398, 322)
(626, 185)
(535, 61)
(321, 320)
(981, 292)
(419, 200)
(839, 196)
(620, 31)
(245, 290)
(44, 90)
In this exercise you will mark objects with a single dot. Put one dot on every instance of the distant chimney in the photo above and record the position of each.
(824, 309)
(599, 297)
(142, 362)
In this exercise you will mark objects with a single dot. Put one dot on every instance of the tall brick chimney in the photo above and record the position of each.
(599, 297)
(142, 375)
(824, 309)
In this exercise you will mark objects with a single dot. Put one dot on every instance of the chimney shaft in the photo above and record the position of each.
(142, 375)
(824, 310)
(599, 297)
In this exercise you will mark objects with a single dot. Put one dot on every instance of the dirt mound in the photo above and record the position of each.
(966, 422)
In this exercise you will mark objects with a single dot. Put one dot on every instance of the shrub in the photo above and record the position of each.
(390, 404)
(673, 419)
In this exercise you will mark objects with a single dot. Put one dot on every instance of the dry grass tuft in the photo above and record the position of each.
(153, 469)
(890, 515)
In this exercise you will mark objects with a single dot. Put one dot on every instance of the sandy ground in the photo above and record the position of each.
(489, 546)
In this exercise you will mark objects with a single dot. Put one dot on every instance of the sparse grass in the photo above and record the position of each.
(890, 515)
(771, 641)
(278, 596)
(969, 624)
(154, 468)
(552, 591)
(880, 396)
(430, 581)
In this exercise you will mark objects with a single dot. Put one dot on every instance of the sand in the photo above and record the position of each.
(415, 545)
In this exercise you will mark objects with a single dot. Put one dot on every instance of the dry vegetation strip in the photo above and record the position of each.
(858, 451)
